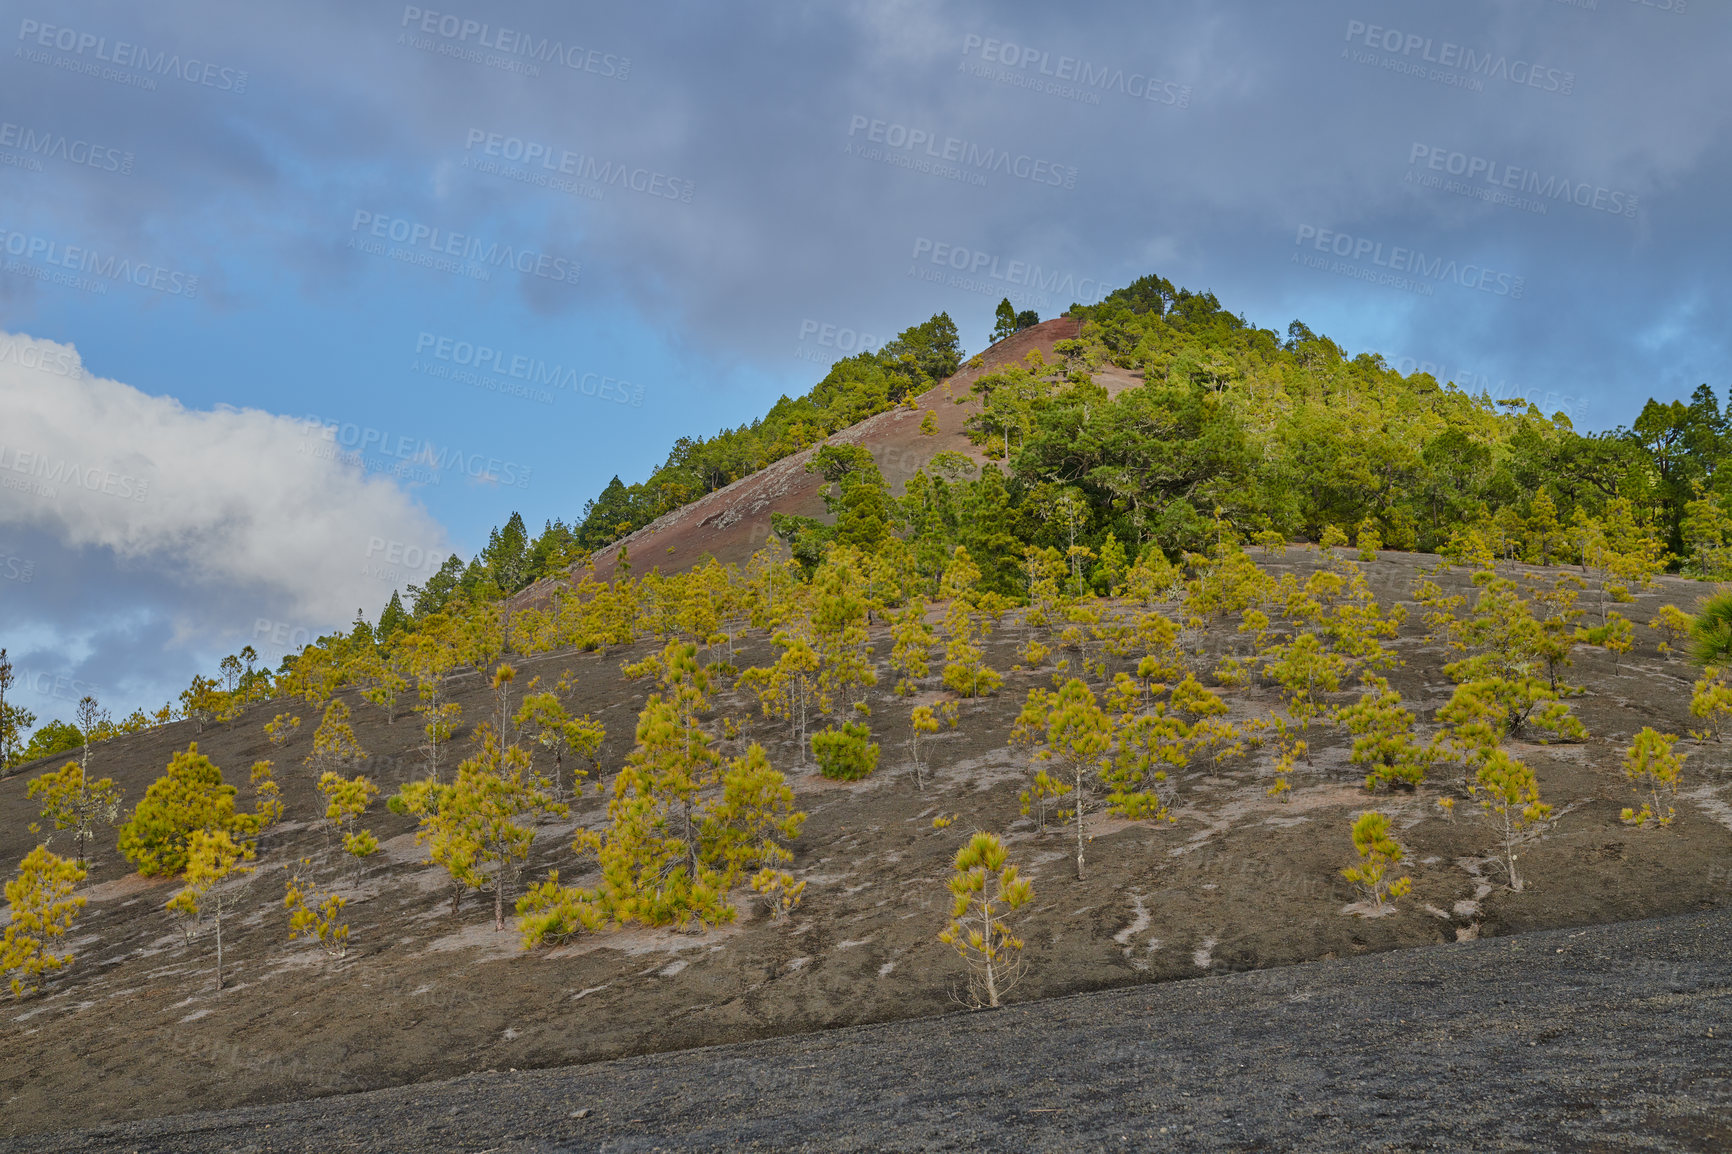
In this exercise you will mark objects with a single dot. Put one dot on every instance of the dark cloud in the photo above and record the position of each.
(1393, 171)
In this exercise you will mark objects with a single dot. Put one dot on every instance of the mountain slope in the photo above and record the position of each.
(734, 521)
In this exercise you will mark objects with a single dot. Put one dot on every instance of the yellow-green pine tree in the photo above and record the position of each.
(213, 857)
(1379, 853)
(43, 906)
(1650, 763)
(1510, 796)
(984, 890)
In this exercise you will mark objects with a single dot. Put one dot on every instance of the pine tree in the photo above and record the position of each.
(1711, 701)
(431, 652)
(1306, 669)
(1004, 320)
(553, 728)
(1042, 793)
(393, 619)
(1543, 530)
(335, 747)
(912, 641)
(381, 678)
(71, 801)
(314, 915)
(346, 801)
(683, 827)
(984, 889)
(967, 619)
(789, 689)
(14, 719)
(42, 908)
(1378, 855)
(190, 797)
(267, 795)
(1068, 728)
(1511, 799)
(280, 729)
(922, 720)
(213, 857)
(1673, 625)
(1382, 729)
(474, 822)
(1650, 763)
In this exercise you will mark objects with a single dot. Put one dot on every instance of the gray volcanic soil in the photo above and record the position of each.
(1605, 1038)
(135, 1029)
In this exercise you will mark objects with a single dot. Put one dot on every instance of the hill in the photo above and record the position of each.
(1100, 606)
(732, 523)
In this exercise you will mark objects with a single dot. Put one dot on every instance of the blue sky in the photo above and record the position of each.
(671, 214)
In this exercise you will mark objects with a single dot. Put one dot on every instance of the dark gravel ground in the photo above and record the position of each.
(1606, 1038)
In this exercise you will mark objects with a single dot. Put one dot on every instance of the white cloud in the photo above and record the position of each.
(137, 510)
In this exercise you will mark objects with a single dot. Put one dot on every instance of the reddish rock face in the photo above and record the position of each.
(734, 522)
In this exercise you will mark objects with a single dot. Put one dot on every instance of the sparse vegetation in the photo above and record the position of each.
(1103, 542)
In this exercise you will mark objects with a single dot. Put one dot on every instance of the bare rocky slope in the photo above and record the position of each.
(1598, 1039)
(1242, 881)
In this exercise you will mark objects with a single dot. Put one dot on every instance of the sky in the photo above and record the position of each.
(295, 300)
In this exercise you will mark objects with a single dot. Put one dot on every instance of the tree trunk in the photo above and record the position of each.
(499, 899)
(219, 937)
(1079, 825)
(691, 844)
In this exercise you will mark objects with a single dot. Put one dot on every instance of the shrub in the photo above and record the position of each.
(1711, 635)
(845, 754)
